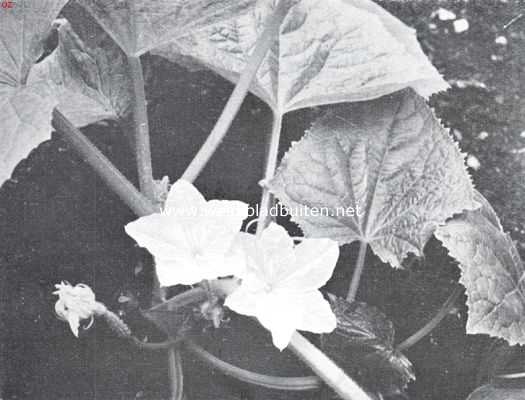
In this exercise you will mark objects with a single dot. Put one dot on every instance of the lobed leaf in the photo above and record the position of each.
(326, 52)
(363, 344)
(491, 271)
(383, 172)
(140, 25)
(92, 84)
(26, 107)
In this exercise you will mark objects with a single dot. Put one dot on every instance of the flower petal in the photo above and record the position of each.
(315, 263)
(74, 322)
(275, 255)
(276, 314)
(164, 236)
(319, 317)
(183, 197)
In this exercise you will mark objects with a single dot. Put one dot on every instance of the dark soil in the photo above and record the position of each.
(58, 221)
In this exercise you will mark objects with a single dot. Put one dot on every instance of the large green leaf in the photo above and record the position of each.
(390, 162)
(140, 25)
(91, 83)
(491, 271)
(327, 52)
(26, 107)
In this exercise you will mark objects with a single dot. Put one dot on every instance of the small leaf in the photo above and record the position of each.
(363, 344)
(140, 25)
(492, 392)
(327, 52)
(383, 172)
(26, 107)
(491, 271)
(92, 84)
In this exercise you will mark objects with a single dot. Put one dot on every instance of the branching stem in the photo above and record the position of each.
(105, 169)
(141, 129)
(434, 322)
(238, 95)
(358, 271)
(272, 154)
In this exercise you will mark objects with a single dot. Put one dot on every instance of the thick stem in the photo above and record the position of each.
(272, 382)
(434, 322)
(240, 91)
(175, 373)
(358, 271)
(326, 369)
(141, 129)
(272, 154)
(105, 169)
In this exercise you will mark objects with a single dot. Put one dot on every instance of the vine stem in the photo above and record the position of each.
(271, 382)
(434, 322)
(238, 95)
(141, 128)
(358, 271)
(105, 168)
(175, 373)
(272, 154)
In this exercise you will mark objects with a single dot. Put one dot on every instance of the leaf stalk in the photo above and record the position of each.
(272, 154)
(262, 46)
(358, 271)
(141, 129)
(104, 168)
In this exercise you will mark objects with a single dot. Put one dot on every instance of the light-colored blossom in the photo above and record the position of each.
(280, 284)
(76, 303)
(192, 239)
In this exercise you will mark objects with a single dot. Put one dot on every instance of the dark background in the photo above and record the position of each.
(58, 221)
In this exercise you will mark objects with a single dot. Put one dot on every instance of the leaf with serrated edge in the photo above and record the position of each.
(491, 271)
(326, 52)
(364, 340)
(140, 25)
(492, 392)
(26, 108)
(388, 160)
(91, 84)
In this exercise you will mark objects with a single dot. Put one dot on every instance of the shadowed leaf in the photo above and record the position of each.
(92, 84)
(140, 25)
(363, 345)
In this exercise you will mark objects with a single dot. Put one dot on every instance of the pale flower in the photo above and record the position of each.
(280, 284)
(76, 303)
(192, 239)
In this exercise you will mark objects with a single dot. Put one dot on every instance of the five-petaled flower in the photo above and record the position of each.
(192, 239)
(76, 303)
(280, 284)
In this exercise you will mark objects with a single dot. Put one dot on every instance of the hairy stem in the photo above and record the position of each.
(326, 369)
(272, 153)
(434, 322)
(141, 129)
(175, 373)
(239, 93)
(358, 271)
(272, 382)
(105, 169)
